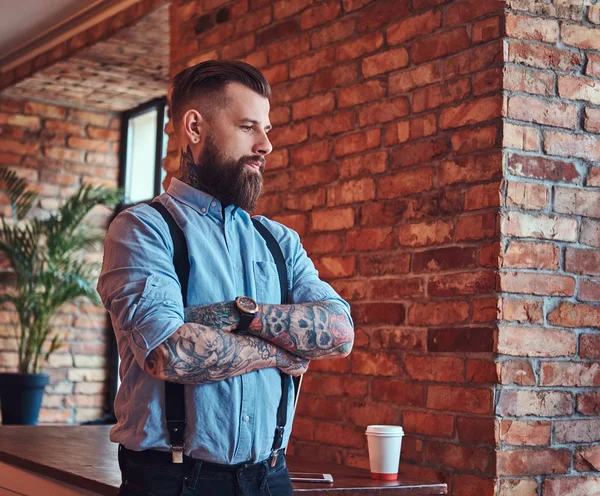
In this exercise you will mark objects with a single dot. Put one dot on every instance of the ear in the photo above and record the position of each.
(192, 126)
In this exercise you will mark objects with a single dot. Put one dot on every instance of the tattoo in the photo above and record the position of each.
(309, 330)
(198, 354)
(219, 315)
(188, 169)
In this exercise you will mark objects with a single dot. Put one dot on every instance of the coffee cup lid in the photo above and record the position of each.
(385, 430)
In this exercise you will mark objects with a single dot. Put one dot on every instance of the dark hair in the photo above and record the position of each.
(209, 78)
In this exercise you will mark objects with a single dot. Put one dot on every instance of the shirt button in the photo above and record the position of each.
(213, 204)
(203, 210)
(245, 418)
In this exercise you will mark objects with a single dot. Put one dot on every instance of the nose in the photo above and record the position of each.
(262, 145)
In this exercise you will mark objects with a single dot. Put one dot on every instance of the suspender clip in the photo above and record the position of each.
(177, 454)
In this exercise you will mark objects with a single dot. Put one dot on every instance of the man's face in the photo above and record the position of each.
(233, 156)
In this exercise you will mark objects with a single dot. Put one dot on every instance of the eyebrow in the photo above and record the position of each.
(268, 128)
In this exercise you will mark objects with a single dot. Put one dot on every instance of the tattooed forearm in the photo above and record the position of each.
(197, 354)
(218, 315)
(309, 330)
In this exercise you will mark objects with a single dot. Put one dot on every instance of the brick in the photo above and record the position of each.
(45, 110)
(283, 8)
(539, 226)
(290, 48)
(357, 47)
(545, 112)
(575, 486)
(531, 28)
(575, 315)
(470, 169)
(63, 154)
(579, 88)
(589, 346)
(367, 164)
(323, 243)
(319, 15)
(535, 341)
(592, 121)
(482, 196)
(357, 142)
(329, 125)
(465, 283)
(473, 60)
(355, 191)
(519, 403)
(383, 213)
(405, 183)
(443, 259)
(399, 338)
(580, 36)
(355, 95)
(312, 63)
(471, 485)
(376, 238)
(543, 168)
(478, 226)
(338, 435)
(425, 234)
(461, 339)
(589, 290)
(530, 255)
(312, 176)
(525, 433)
(377, 313)
(486, 30)
(27, 121)
(417, 77)
(485, 310)
(516, 372)
(470, 140)
(439, 45)
(428, 424)
(522, 138)
(12, 146)
(384, 62)
(321, 408)
(569, 374)
(88, 144)
(592, 67)
(95, 118)
(489, 81)
(528, 196)
(533, 462)
(459, 399)
(332, 219)
(289, 135)
(577, 431)
(384, 111)
(334, 32)
(420, 152)
(418, 25)
(436, 313)
(572, 145)
(278, 159)
(582, 261)
(384, 264)
(313, 106)
(280, 115)
(290, 91)
(588, 403)
(376, 364)
(336, 267)
(437, 96)
(544, 57)
(363, 414)
(381, 13)
(472, 112)
(481, 372)
(276, 181)
(313, 153)
(527, 80)
(594, 14)
(396, 289)
(458, 457)
(538, 284)
(466, 10)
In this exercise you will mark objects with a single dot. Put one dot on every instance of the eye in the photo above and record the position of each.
(246, 128)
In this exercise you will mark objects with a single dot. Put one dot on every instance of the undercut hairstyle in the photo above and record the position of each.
(204, 82)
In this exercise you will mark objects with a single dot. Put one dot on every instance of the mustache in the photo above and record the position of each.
(255, 158)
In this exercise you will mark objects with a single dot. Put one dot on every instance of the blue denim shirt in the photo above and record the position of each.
(230, 421)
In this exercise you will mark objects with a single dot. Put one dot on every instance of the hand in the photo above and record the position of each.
(291, 364)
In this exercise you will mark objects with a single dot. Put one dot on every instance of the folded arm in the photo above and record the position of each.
(197, 354)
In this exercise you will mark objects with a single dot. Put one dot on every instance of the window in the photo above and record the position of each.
(143, 147)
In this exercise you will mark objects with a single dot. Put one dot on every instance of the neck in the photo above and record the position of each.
(188, 170)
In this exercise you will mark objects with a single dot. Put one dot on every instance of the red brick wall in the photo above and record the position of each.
(548, 338)
(387, 162)
(56, 149)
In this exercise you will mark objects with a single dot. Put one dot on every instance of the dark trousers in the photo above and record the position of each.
(151, 473)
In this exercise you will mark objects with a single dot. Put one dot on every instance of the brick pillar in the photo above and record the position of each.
(548, 338)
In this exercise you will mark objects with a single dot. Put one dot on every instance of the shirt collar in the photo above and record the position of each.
(200, 201)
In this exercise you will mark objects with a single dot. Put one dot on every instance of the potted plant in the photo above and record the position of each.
(45, 254)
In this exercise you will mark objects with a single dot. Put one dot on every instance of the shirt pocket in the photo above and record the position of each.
(266, 281)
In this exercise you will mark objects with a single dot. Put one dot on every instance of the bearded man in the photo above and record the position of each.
(224, 335)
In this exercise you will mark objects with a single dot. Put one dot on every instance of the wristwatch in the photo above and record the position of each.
(247, 309)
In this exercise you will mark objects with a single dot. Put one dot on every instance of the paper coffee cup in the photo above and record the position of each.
(385, 442)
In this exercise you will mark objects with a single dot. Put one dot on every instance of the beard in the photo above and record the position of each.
(232, 182)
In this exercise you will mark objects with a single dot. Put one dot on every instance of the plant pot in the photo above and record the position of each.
(21, 397)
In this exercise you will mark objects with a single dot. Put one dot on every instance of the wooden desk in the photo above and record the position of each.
(81, 460)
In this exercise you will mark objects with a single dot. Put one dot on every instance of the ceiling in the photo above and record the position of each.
(116, 74)
(24, 20)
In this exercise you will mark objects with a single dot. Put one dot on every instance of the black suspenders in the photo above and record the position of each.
(175, 393)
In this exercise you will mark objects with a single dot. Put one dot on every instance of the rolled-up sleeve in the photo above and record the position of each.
(138, 284)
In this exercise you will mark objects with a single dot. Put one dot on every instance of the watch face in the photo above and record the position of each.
(247, 304)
